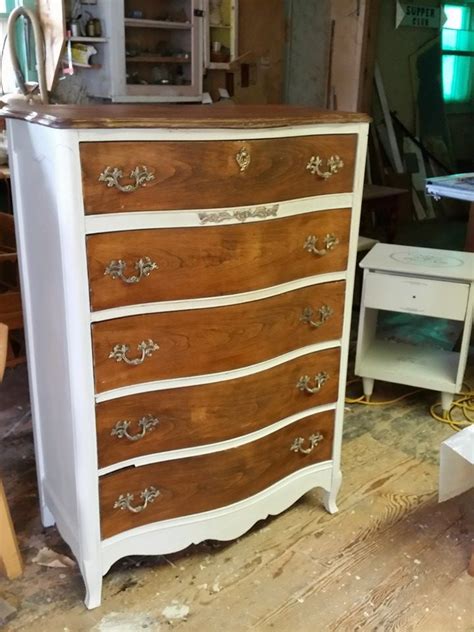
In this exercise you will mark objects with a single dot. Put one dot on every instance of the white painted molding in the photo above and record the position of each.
(227, 523)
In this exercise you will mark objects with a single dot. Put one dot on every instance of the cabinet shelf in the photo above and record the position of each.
(90, 66)
(219, 65)
(156, 24)
(157, 59)
(404, 363)
(92, 40)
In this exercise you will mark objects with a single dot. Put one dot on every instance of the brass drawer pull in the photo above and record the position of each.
(146, 423)
(112, 176)
(325, 312)
(330, 242)
(148, 495)
(146, 347)
(314, 440)
(243, 159)
(334, 165)
(319, 380)
(143, 266)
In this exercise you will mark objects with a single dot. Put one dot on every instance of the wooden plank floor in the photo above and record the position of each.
(392, 559)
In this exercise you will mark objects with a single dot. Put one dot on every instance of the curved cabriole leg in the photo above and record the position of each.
(93, 582)
(329, 497)
(47, 518)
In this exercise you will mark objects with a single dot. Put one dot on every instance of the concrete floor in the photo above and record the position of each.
(386, 561)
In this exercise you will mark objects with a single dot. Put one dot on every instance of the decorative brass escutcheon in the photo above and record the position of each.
(243, 159)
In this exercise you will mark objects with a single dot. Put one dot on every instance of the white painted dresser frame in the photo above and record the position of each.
(49, 210)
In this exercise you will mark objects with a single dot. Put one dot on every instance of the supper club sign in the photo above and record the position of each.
(419, 15)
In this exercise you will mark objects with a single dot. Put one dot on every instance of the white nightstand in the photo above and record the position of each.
(437, 283)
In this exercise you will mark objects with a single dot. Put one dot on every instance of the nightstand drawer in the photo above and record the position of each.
(137, 496)
(144, 266)
(166, 345)
(123, 176)
(416, 295)
(178, 418)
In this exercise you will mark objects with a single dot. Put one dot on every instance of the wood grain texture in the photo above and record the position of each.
(209, 413)
(201, 341)
(182, 117)
(201, 483)
(214, 261)
(205, 174)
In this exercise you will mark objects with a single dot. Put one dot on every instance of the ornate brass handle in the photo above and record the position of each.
(143, 266)
(319, 380)
(146, 423)
(325, 312)
(112, 175)
(330, 242)
(146, 347)
(314, 440)
(148, 495)
(243, 159)
(334, 165)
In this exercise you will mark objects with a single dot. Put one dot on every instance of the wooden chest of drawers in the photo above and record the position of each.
(187, 277)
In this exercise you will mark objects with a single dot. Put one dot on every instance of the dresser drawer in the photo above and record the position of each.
(143, 266)
(172, 419)
(126, 176)
(412, 295)
(201, 483)
(150, 347)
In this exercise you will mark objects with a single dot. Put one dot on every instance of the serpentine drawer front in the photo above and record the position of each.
(145, 176)
(188, 276)
(154, 265)
(136, 496)
(195, 342)
(177, 418)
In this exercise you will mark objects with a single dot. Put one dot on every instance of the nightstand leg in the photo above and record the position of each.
(368, 387)
(329, 497)
(446, 402)
(93, 581)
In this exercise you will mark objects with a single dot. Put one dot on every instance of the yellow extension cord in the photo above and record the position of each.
(463, 406)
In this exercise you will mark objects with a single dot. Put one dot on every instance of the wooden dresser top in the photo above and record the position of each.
(176, 116)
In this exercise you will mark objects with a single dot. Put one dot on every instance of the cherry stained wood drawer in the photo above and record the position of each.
(172, 419)
(213, 261)
(146, 176)
(201, 483)
(149, 347)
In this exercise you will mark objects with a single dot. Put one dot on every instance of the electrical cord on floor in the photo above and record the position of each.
(462, 407)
